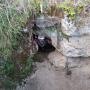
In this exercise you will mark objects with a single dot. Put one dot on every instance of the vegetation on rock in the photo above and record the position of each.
(15, 57)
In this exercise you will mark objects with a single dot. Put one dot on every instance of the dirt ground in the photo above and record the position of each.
(51, 75)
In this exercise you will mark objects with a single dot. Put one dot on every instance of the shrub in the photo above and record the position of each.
(13, 16)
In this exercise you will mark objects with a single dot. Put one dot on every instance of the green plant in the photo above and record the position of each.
(70, 9)
(10, 77)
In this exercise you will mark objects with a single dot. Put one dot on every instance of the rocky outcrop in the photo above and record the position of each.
(78, 43)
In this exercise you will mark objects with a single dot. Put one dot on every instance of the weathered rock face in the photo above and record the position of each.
(78, 43)
(45, 23)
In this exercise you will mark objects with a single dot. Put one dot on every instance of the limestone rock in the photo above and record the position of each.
(78, 44)
(57, 59)
(69, 28)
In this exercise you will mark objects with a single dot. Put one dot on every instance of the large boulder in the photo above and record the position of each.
(78, 42)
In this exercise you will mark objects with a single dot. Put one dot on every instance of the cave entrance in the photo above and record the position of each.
(48, 47)
(44, 43)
